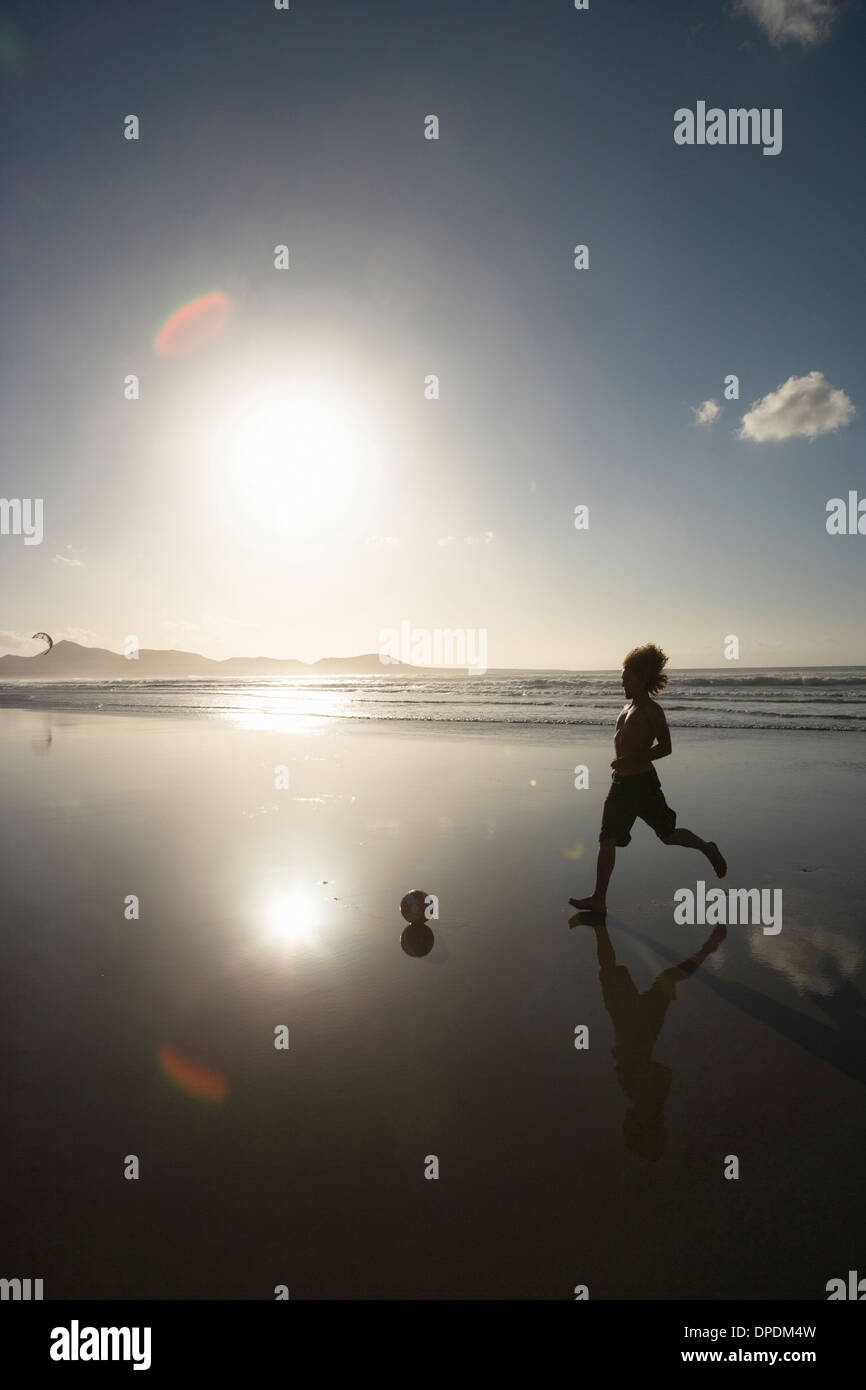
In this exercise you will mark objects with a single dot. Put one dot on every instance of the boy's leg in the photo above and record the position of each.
(603, 870)
(659, 816)
(604, 948)
(707, 847)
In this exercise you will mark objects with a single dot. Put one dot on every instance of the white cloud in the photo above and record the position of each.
(706, 413)
(792, 21)
(485, 538)
(82, 635)
(804, 407)
(72, 557)
(377, 542)
(16, 644)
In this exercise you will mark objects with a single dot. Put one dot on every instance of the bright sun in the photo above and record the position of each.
(295, 460)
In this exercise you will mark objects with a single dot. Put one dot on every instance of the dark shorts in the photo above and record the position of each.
(633, 797)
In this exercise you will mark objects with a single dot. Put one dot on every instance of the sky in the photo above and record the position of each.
(291, 486)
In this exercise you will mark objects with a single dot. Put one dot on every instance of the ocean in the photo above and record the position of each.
(815, 699)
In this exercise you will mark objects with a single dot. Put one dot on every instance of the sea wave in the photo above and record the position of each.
(817, 699)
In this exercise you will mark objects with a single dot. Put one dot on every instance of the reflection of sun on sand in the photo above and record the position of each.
(285, 927)
(291, 919)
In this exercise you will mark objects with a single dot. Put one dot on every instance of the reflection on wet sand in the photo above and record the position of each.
(417, 939)
(637, 1020)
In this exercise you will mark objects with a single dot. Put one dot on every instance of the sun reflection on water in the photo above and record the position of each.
(291, 919)
(296, 708)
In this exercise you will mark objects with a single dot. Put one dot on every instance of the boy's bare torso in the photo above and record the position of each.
(633, 738)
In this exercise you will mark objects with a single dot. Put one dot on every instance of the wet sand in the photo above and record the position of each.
(305, 1167)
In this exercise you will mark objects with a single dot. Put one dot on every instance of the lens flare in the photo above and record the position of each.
(193, 325)
(191, 1077)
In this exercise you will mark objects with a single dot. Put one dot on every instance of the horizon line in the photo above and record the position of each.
(445, 670)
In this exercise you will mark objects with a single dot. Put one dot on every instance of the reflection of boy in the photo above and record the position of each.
(637, 1020)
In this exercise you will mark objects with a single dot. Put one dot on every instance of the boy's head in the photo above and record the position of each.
(643, 671)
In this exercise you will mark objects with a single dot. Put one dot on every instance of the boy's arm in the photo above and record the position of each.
(662, 733)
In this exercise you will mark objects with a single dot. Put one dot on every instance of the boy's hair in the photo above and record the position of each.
(648, 663)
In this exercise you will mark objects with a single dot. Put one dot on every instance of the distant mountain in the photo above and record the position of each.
(70, 661)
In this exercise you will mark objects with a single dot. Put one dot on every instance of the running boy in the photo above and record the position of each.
(641, 736)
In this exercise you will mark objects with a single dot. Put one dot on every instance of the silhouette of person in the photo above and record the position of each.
(641, 737)
(637, 1020)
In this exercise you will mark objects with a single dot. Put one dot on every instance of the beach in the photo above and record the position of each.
(269, 864)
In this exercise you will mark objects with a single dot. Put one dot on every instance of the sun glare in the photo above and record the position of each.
(295, 460)
(291, 919)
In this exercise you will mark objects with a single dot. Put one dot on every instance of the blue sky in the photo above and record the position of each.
(409, 257)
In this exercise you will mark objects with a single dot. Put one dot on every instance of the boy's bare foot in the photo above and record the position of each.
(717, 859)
(588, 904)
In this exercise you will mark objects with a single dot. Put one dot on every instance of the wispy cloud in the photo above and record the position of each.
(71, 557)
(485, 538)
(706, 413)
(381, 542)
(804, 407)
(82, 635)
(16, 644)
(806, 22)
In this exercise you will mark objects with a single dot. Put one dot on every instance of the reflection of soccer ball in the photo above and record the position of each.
(417, 939)
(413, 905)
